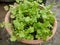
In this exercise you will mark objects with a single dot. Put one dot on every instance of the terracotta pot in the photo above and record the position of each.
(7, 17)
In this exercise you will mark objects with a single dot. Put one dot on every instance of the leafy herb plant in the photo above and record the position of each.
(31, 20)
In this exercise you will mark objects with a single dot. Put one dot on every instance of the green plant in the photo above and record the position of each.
(31, 21)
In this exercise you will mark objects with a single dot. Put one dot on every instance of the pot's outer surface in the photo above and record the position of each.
(30, 41)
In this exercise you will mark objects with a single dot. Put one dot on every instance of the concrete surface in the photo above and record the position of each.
(4, 40)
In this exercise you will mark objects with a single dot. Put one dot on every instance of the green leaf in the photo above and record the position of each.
(38, 25)
(12, 16)
(1, 24)
(49, 7)
(13, 38)
(30, 30)
(27, 19)
(6, 8)
(38, 36)
(39, 31)
(21, 34)
(29, 37)
(19, 26)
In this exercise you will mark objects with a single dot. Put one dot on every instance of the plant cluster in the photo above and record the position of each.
(31, 21)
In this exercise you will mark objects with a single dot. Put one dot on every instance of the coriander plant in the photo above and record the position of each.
(31, 20)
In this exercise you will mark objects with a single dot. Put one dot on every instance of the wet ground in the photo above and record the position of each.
(4, 40)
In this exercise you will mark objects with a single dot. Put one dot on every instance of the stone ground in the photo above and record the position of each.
(54, 41)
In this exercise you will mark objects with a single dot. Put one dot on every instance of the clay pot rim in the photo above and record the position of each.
(29, 41)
